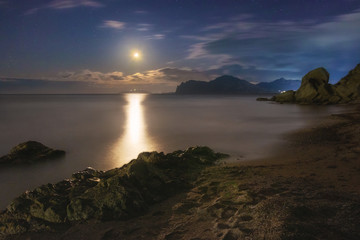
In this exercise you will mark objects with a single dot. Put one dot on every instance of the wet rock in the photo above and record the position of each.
(29, 152)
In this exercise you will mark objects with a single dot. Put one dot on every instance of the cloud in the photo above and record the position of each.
(91, 76)
(62, 4)
(144, 26)
(171, 76)
(66, 4)
(113, 24)
(88, 81)
(156, 36)
(283, 46)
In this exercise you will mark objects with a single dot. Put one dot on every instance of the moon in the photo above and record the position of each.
(136, 55)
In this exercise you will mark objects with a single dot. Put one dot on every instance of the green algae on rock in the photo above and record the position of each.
(30, 152)
(117, 194)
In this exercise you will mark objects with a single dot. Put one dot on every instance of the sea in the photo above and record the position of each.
(108, 131)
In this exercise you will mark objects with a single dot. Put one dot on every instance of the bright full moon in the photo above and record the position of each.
(136, 55)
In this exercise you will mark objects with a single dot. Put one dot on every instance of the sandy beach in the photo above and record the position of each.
(308, 190)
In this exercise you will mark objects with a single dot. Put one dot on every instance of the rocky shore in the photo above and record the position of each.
(309, 190)
(315, 89)
(117, 194)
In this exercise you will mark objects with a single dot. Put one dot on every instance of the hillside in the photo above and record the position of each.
(231, 85)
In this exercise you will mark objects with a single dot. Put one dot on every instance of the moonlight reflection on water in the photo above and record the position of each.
(135, 138)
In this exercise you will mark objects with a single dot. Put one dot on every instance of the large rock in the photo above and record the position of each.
(315, 89)
(29, 152)
(348, 88)
(119, 193)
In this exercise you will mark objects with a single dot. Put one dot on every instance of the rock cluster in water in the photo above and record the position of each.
(29, 152)
(116, 194)
(315, 89)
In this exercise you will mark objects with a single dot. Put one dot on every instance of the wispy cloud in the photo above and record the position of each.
(113, 24)
(284, 46)
(156, 36)
(144, 26)
(171, 76)
(66, 4)
(92, 76)
(62, 4)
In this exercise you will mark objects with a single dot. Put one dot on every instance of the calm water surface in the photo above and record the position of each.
(106, 131)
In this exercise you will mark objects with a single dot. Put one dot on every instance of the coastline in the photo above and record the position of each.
(308, 190)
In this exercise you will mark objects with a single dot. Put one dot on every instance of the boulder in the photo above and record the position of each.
(315, 87)
(29, 152)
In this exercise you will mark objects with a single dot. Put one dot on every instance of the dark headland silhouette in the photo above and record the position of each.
(231, 85)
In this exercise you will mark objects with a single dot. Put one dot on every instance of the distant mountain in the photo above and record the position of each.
(280, 85)
(231, 85)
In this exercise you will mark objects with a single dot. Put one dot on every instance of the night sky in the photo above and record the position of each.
(86, 46)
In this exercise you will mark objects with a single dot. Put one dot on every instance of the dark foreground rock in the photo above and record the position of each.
(117, 194)
(30, 152)
(315, 89)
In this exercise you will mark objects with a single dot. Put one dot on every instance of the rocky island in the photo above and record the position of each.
(30, 152)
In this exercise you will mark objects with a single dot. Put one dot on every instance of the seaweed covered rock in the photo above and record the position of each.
(29, 152)
(315, 89)
(116, 194)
